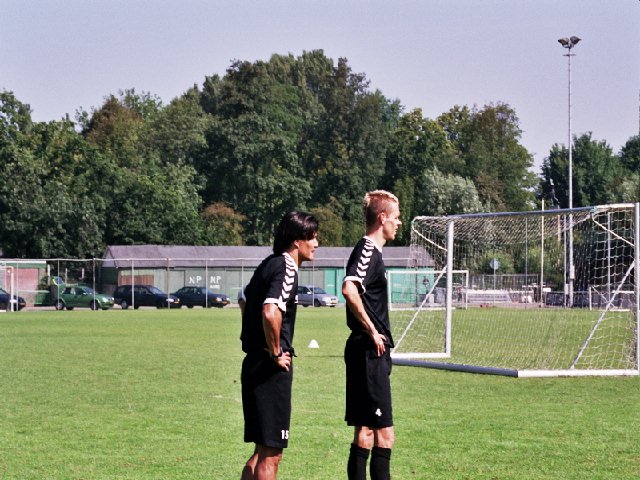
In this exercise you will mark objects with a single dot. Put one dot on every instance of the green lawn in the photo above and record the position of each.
(154, 394)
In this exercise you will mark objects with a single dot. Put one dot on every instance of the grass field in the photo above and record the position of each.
(155, 394)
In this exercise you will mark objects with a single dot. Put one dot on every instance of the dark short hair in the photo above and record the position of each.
(294, 226)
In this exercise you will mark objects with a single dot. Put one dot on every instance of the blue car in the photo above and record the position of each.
(6, 300)
(144, 296)
(201, 297)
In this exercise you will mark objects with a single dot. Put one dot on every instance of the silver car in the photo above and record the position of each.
(310, 295)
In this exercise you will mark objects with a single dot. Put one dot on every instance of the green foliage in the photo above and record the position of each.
(629, 190)
(48, 182)
(290, 133)
(252, 162)
(596, 173)
(487, 142)
(405, 189)
(223, 225)
(442, 194)
(144, 104)
(294, 132)
(630, 155)
(505, 262)
(329, 217)
(177, 132)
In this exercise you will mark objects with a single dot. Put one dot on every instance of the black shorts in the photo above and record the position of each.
(368, 384)
(266, 400)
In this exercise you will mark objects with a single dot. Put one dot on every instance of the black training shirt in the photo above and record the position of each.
(367, 270)
(274, 281)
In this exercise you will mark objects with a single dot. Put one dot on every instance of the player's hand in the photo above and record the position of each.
(379, 341)
(284, 361)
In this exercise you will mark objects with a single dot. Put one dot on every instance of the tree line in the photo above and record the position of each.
(221, 163)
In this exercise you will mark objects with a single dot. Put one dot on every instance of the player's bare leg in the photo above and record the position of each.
(380, 443)
(263, 464)
(250, 466)
(366, 437)
(363, 437)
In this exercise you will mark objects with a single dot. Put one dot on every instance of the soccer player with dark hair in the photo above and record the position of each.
(268, 321)
(367, 352)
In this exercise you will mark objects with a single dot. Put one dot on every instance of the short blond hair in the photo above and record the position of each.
(376, 202)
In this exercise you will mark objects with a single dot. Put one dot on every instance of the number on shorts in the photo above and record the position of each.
(285, 434)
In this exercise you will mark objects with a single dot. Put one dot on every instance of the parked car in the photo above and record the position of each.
(49, 289)
(201, 297)
(79, 296)
(310, 295)
(6, 300)
(144, 296)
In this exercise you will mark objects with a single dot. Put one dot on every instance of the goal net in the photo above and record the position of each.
(413, 288)
(549, 293)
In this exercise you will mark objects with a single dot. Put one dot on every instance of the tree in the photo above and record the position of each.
(114, 128)
(596, 172)
(20, 189)
(148, 199)
(252, 162)
(629, 190)
(284, 134)
(47, 179)
(554, 184)
(223, 225)
(488, 142)
(445, 194)
(177, 133)
(15, 120)
(417, 144)
(145, 104)
(267, 137)
(329, 217)
(410, 205)
(630, 154)
(347, 147)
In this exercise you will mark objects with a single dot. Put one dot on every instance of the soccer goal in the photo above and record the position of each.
(547, 293)
(415, 289)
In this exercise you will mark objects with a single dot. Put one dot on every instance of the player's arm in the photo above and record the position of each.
(351, 294)
(272, 323)
(242, 301)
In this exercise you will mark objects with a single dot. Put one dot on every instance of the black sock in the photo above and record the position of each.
(357, 464)
(380, 460)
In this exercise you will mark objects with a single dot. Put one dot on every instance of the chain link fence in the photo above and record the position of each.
(42, 282)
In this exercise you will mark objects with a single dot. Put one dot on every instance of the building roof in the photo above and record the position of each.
(165, 256)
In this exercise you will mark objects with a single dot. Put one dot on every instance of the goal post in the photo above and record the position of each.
(492, 293)
(7, 282)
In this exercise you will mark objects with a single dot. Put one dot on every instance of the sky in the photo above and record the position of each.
(64, 55)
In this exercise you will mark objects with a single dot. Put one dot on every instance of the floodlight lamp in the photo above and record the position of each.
(574, 40)
(564, 41)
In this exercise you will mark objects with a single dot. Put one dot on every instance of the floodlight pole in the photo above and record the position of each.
(569, 43)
